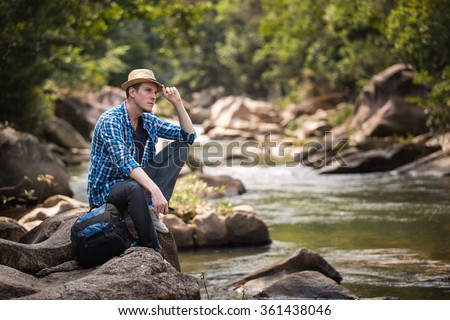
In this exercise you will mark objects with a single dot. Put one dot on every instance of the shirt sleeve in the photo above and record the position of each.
(172, 131)
(113, 138)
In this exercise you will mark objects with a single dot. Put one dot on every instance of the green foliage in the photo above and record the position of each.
(189, 198)
(335, 42)
(284, 50)
(203, 278)
(341, 115)
(418, 32)
(45, 45)
(437, 104)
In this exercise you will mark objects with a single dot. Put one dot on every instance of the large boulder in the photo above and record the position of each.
(15, 284)
(210, 230)
(311, 105)
(436, 164)
(378, 160)
(139, 273)
(83, 109)
(241, 227)
(183, 233)
(29, 172)
(64, 134)
(274, 278)
(48, 245)
(50, 207)
(246, 228)
(305, 285)
(201, 103)
(243, 117)
(233, 186)
(10, 229)
(40, 264)
(382, 107)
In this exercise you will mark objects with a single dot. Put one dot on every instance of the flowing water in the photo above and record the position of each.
(385, 235)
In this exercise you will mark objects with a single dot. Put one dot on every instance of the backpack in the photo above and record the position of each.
(99, 235)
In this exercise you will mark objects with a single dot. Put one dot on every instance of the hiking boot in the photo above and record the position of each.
(159, 225)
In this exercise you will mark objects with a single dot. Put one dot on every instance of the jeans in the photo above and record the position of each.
(128, 195)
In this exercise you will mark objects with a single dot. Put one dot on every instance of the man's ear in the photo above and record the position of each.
(131, 92)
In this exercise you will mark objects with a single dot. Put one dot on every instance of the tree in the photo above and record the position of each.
(46, 44)
(336, 43)
(418, 32)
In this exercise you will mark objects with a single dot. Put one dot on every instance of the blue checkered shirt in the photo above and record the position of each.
(113, 150)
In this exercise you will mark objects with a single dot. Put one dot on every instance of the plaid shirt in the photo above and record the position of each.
(112, 149)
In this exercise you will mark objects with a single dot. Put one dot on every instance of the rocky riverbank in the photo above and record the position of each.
(384, 133)
(40, 263)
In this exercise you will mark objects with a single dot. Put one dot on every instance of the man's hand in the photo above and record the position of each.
(172, 95)
(159, 202)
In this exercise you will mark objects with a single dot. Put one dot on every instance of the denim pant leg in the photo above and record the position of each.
(166, 166)
(129, 196)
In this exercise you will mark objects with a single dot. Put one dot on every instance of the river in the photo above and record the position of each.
(385, 235)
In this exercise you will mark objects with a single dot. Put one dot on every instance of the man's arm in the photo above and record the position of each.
(159, 202)
(174, 97)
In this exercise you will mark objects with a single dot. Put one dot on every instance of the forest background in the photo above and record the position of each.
(281, 51)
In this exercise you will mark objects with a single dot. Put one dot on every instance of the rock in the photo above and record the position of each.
(29, 172)
(305, 285)
(70, 157)
(242, 227)
(382, 108)
(314, 125)
(201, 104)
(10, 229)
(45, 246)
(379, 160)
(51, 207)
(63, 134)
(219, 133)
(236, 116)
(182, 232)
(436, 164)
(198, 115)
(48, 245)
(375, 143)
(210, 230)
(170, 250)
(311, 105)
(82, 110)
(246, 229)
(166, 240)
(301, 260)
(42, 266)
(244, 208)
(444, 141)
(15, 284)
(139, 273)
(233, 187)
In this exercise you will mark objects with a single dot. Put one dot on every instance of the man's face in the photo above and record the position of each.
(145, 96)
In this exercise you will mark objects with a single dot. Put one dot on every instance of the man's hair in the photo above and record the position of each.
(134, 86)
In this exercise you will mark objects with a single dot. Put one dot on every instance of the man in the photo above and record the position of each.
(125, 169)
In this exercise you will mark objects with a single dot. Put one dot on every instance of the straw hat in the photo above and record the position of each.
(141, 75)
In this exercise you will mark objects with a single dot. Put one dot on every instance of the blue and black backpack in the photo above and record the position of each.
(99, 235)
